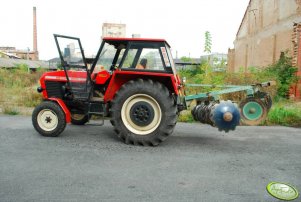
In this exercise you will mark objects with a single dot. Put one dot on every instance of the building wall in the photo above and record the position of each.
(27, 56)
(12, 52)
(231, 60)
(266, 31)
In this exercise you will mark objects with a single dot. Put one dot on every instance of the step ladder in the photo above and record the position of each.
(96, 108)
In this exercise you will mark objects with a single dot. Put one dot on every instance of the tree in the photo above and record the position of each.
(207, 49)
(208, 42)
(286, 74)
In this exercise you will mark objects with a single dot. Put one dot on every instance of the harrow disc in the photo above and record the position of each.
(268, 101)
(253, 111)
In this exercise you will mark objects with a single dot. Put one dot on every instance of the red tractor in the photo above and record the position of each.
(131, 81)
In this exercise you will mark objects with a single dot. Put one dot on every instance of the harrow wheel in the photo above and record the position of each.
(269, 101)
(253, 111)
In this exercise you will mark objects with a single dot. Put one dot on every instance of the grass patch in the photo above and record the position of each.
(285, 113)
(18, 88)
(10, 110)
(186, 116)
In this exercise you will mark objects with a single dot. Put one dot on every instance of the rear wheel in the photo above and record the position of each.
(143, 113)
(79, 119)
(48, 119)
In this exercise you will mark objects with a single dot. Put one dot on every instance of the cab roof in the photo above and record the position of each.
(134, 39)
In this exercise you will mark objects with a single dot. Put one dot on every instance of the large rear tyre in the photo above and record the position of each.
(79, 119)
(48, 119)
(143, 113)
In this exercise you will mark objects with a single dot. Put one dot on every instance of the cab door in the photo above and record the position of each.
(74, 64)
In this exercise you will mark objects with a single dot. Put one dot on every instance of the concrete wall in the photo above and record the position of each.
(266, 30)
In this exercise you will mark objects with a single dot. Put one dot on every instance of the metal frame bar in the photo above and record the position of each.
(64, 63)
(250, 90)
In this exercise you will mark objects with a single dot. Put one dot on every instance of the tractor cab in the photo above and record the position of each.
(85, 76)
(135, 54)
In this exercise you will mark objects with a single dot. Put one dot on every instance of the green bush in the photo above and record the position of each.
(285, 74)
(285, 113)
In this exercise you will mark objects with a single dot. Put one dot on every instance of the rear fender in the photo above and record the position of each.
(64, 108)
(121, 77)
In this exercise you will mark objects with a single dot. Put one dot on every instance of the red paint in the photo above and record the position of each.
(74, 76)
(60, 76)
(101, 77)
(43, 86)
(117, 80)
(121, 77)
(64, 108)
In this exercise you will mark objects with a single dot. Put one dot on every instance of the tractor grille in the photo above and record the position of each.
(54, 89)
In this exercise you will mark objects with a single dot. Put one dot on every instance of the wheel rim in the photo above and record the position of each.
(141, 114)
(253, 110)
(47, 120)
(77, 117)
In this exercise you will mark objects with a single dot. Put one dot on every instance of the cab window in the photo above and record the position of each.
(144, 56)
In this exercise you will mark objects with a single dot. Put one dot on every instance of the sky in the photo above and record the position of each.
(182, 23)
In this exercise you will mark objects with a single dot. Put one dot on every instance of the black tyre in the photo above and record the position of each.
(79, 119)
(48, 119)
(143, 113)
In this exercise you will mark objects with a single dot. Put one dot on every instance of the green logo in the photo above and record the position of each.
(282, 191)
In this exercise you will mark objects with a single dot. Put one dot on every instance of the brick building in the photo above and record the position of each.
(268, 28)
(12, 52)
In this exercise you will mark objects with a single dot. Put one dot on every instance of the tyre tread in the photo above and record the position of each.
(61, 119)
(167, 103)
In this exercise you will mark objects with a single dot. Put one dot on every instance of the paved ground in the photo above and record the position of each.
(197, 163)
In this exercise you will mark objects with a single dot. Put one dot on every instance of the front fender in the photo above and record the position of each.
(64, 108)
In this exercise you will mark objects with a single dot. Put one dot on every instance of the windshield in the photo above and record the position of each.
(135, 55)
(147, 56)
(107, 56)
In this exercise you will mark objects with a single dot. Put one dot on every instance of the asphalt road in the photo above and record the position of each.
(197, 163)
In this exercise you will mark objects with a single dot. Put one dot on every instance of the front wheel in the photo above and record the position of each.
(48, 119)
(143, 112)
